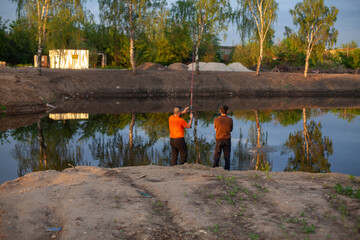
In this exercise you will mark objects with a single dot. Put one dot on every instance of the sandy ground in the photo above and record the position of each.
(24, 91)
(182, 202)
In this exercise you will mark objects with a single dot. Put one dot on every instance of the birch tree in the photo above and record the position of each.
(256, 16)
(315, 21)
(40, 14)
(211, 16)
(128, 16)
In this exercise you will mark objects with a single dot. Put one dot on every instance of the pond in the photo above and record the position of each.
(304, 139)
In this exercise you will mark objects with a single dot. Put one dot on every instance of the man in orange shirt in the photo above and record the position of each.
(223, 126)
(177, 127)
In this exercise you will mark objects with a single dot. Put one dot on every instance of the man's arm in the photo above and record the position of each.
(190, 122)
(185, 110)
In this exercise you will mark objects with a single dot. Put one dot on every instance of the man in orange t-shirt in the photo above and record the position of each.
(177, 127)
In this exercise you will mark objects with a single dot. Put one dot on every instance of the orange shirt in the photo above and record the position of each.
(176, 126)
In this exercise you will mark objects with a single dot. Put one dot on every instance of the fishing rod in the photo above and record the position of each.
(192, 70)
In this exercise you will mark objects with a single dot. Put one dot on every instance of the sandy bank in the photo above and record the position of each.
(23, 90)
(182, 202)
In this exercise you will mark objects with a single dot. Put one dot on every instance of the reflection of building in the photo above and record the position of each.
(68, 116)
(69, 59)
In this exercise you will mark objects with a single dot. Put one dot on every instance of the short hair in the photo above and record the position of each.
(177, 110)
(224, 109)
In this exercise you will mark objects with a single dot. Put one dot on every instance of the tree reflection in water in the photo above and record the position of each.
(311, 150)
(254, 156)
(52, 150)
(53, 144)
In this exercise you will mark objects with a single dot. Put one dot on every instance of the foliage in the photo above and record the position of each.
(311, 153)
(256, 16)
(315, 21)
(246, 54)
(348, 191)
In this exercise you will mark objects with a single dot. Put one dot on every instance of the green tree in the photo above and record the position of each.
(211, 16)
(129, 16)
(258, 13)
(5, 50)
(315, 21)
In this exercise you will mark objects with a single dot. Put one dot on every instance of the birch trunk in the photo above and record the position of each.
(306, 135)
(197, 64)
(131, 33)
(308, 52)
(260, 58)
(43, 157)
(131, 131)
(258, 143)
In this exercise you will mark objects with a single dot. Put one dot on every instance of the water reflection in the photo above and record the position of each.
(311, 150)
(117, 140)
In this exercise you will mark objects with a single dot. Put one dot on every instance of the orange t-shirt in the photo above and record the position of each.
(176, 126)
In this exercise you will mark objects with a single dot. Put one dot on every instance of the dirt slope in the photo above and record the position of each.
(22, 88)
(182, 202)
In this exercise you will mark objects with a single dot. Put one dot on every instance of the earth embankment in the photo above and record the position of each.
(23, 90)
(182, 202)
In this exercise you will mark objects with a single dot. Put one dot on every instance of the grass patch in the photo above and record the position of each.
(347, 191)
(254, 236)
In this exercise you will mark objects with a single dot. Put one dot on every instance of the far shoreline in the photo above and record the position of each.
(24, 91)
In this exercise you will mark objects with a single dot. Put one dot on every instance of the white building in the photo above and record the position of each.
(69, 58)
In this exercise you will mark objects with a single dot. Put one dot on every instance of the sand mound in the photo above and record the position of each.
(220, 67)
(201, 65)
(238, 67)
(151, 66)
(178, 67)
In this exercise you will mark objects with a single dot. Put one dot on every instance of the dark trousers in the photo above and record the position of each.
(178, 145)
(225, 146)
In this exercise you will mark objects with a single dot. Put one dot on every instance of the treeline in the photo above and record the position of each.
(131, 32)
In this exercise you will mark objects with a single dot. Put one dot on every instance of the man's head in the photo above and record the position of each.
(224, 109)
(177, 111)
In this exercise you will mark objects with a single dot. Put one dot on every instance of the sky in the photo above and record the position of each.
(347, 23)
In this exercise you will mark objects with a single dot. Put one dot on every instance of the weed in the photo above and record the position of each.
(310, 229)
(185, 194)
(302, 214)
(254, 236)
(218, 201)
(351, 177)
(230, 180)
(348, 191)
(328, 236)
(216, 228)
(2, 107)
(211, 196)
(159, 204)
(293, 220)
(283, 227)
(343, 210)
(255, 196)
(220, 177)
(245, 190)
(255, 176)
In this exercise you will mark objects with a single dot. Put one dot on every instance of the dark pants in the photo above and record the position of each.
(178, 145)
(222, 145)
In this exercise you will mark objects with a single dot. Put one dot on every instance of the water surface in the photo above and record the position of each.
(312, 140)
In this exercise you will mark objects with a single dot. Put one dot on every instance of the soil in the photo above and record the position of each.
(23, 91)
(181, 202)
